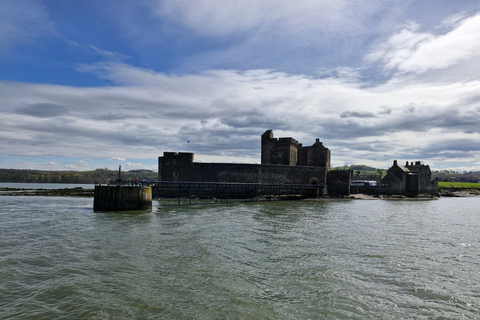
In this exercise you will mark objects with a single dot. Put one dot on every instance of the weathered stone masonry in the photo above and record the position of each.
(284, 161)
(410, 179)
(288, 151)
(180, 167)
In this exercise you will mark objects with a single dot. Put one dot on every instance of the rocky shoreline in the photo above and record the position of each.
(459, 193)
(443, 193)
(66, 192)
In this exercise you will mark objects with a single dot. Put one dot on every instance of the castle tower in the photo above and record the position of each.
(288, 151)
(316, 155)
(279, 151)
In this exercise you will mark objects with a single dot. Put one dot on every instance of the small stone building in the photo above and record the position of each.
(410, 179)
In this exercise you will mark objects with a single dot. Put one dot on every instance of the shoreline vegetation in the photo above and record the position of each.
(89, 193)
(101, 175)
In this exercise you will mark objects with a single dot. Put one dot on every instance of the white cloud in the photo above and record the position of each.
(294, 36)
(409, 51)
(132, 166)
(78, 165)
(108, 55)
(295, 67)
(220, 18)
(224, 112)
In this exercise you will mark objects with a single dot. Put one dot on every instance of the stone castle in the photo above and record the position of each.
(286, 161)
(283, 161)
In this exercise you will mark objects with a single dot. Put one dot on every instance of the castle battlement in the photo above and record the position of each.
(288, 151)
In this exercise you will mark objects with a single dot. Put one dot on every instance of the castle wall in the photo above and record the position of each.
(396, 187)
(374, 190)
(391, 190)
(367, 176)
(432, 188)
(175, 167)
(393, 186)
(338, 182)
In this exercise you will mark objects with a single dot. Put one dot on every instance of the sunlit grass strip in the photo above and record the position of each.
(463, 185)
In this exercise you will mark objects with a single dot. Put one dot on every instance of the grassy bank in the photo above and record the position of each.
(462, 185)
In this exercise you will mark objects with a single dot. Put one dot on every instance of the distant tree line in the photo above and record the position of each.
(357, 167)
(101, 175)
(362, 167)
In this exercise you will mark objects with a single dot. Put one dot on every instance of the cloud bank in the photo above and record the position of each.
(376, 85)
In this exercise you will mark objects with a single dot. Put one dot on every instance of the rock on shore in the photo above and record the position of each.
(460, 193)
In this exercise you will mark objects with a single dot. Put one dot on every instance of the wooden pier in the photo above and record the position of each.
(230, 190)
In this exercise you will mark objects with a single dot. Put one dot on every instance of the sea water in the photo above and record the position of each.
(336, 259)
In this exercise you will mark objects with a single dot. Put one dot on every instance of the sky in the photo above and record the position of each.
(101, 83)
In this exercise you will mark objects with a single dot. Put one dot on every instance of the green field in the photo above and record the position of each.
(463, 185)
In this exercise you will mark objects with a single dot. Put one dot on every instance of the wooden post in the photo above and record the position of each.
(179, 193)
(190, 194)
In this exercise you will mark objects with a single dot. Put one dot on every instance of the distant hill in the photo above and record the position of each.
(362, 167)
(357, 167)
(101, 175)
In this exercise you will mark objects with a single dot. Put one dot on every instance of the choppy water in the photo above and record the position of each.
(266, 260)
